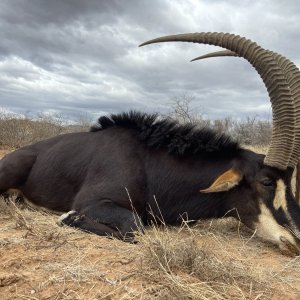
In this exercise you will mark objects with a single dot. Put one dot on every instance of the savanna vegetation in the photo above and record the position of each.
(16, 131)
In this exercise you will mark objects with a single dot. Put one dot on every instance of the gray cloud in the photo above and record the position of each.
(76, 56)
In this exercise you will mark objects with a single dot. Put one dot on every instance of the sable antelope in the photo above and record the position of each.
(179, 172)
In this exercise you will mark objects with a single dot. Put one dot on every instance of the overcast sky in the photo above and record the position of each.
(82, 56)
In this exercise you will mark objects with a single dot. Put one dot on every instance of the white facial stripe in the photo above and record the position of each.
(281, 202)
(268, 228)
(280, 197)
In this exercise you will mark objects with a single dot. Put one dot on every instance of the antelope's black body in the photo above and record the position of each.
(134, 163)
(135, 153)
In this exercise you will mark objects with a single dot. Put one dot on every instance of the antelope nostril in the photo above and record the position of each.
(294, 249)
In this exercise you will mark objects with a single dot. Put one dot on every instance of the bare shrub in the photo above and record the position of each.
(222, 126)
(182, 112)
(249, 131)
(253, 131)
(16, 131)
(83, 123)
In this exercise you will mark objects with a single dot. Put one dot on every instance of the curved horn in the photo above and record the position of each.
(292, 75)
(216, 54)
(282, 141)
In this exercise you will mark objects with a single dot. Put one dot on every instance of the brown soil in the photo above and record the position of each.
(40, 260)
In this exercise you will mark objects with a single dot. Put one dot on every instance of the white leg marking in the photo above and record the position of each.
(64, 216)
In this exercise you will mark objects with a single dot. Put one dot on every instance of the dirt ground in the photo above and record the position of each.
(217, 259)
(40, 260)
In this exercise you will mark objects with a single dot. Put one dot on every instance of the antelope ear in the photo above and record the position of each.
(224, 182)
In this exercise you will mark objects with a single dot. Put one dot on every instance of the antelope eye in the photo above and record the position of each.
(268, 182)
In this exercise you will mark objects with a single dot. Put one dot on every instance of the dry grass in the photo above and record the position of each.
(203, 263)
(212, 260)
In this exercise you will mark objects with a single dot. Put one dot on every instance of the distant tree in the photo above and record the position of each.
(182, 111)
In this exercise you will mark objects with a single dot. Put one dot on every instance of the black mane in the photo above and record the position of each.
(181, 140)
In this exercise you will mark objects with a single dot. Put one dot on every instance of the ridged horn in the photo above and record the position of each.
(283, 134)
(292, 75)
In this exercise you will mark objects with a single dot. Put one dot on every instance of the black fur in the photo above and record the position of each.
(180, 140)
